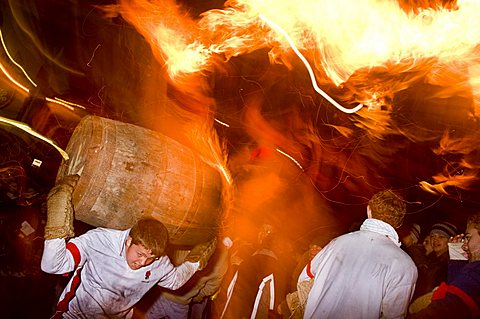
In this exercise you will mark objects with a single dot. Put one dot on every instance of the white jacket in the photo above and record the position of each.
(103, 285)
(363, 274)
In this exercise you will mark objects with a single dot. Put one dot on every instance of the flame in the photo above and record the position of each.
(343, 36)
(363, 51)
(462, 170)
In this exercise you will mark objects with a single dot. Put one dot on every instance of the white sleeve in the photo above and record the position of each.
(61, 257)
(179, 275)
(56, 259)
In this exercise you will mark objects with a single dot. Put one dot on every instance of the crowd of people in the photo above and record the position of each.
(384, 269)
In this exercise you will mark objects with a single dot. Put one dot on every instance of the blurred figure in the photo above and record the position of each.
(239, 251)
(261, 280)
(313, 249)
(364, 274)
(427, 244)
(410, 237)
(437, 261)
(294, 305)
(460, 297)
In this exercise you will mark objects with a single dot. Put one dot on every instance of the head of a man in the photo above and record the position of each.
(387, 206)
(146, 242)
(471, 243)
(439, 236)
(409, 234)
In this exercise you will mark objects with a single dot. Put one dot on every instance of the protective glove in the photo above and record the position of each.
(201, 253)
(60, 209)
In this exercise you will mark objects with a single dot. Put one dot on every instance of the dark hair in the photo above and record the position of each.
(389, 207)
(151, 234)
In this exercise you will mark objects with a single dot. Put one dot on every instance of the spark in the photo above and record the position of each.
(13, 61)
(222, 123)
(291, 158)
(93, 55)
(30, 131)
(309, 68)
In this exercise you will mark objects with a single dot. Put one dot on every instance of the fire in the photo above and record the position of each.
(366, 52)
(460, 173)
(342, 36)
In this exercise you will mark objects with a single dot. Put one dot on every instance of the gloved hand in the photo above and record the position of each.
(201, 253)
(60, 209)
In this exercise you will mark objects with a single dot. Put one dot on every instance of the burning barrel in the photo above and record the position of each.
(128, 172)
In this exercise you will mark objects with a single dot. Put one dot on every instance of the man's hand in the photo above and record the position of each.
(60, 209)
(201, 253)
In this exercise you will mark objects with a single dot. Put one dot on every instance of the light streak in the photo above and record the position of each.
(71, 108)
(225, 174)
(222, 123)
(279, 29)
(65, 103)
(30, 131)
(4, 70)
(290, 157)
(56, 100)
(12, 79)
(13, 61)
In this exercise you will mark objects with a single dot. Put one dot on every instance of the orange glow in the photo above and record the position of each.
(365, 51)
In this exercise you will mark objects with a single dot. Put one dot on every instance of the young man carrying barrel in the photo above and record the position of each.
(113, 269)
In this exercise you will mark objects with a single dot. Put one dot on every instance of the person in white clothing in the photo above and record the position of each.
(113, 269)
(364, 274)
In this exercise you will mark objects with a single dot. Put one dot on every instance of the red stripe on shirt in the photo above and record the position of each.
(73, 249)
(62, 305)
(309, 270)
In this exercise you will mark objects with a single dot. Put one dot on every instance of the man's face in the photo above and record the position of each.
(137, 255)
(471, 244)
(439, 243)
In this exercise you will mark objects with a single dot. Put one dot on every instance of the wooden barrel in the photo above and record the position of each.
(128, 172)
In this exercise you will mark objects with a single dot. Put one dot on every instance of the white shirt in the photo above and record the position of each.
(103, 285)
(363, 274)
